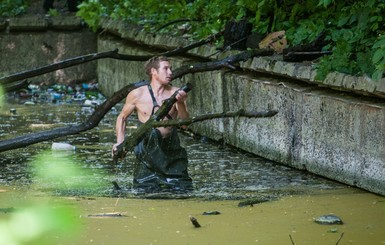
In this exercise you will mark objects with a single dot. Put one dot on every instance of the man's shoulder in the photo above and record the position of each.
(138, 92)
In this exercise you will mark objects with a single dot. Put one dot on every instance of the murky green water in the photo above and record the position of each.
(218, 172)
(222, 178)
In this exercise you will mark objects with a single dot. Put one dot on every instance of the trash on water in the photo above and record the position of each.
(60, 146)
(329, 219)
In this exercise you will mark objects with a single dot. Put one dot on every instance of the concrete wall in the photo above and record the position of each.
(334, 128)
(31, 42)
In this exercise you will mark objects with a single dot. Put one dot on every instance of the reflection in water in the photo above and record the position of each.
(218, 173)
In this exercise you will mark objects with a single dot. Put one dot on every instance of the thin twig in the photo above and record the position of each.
(342, 234)
(173, 22)
(291, 239)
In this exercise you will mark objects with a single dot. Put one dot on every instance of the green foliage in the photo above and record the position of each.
(354, 29)
(379, 57)
(58, 171)
(39, 221)
(353, 33)
(9, 8)
(33, 223)
(91, 11)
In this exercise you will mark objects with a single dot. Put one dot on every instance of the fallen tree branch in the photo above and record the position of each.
(92, 122)
(16, 86)
(56, 66)
(231, 114)
(133, 139)
(226, 62)
(301, 56)
(173, 22)
(100, 111)
(95, 56)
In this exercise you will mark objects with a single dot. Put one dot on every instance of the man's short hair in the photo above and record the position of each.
(154, 63)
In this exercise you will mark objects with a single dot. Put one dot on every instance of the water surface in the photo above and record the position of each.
(222, 177)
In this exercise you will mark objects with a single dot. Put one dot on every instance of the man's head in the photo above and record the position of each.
(154, 62)
(159, 68)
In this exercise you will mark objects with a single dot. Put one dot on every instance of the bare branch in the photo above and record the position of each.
(118, 96)
(95, 56)
(216, 65)
(129, 143)
(240, 113)
(92, 122)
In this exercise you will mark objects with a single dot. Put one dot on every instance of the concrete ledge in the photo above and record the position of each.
(307, 73)
(70, 23)
(42, 23)
(35, 23)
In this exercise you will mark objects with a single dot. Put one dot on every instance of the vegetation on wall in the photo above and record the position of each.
(353, 29)
(10, 8)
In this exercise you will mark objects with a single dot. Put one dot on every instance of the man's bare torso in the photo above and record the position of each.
(144, 105)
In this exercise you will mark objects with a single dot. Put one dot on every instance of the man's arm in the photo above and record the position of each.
(120, 126)
(181, 106)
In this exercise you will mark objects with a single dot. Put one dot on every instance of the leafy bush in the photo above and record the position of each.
(352, 28)
(10, 8)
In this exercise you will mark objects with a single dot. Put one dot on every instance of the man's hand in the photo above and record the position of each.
(114, 149)
(181, 96)
(118, 151)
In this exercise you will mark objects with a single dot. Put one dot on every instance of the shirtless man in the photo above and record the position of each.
(162, 162)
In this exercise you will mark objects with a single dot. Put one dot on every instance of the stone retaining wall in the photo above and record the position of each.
(334, 128)
(31, 42)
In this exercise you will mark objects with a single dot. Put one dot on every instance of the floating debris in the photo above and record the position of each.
(29, 103)
(253, 201)
(329, 219)
(195, 222)
(333, 230)
(62, 147)
(107, 215)
(211, 213)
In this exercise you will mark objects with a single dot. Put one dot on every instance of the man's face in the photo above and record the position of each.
(163, 74)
